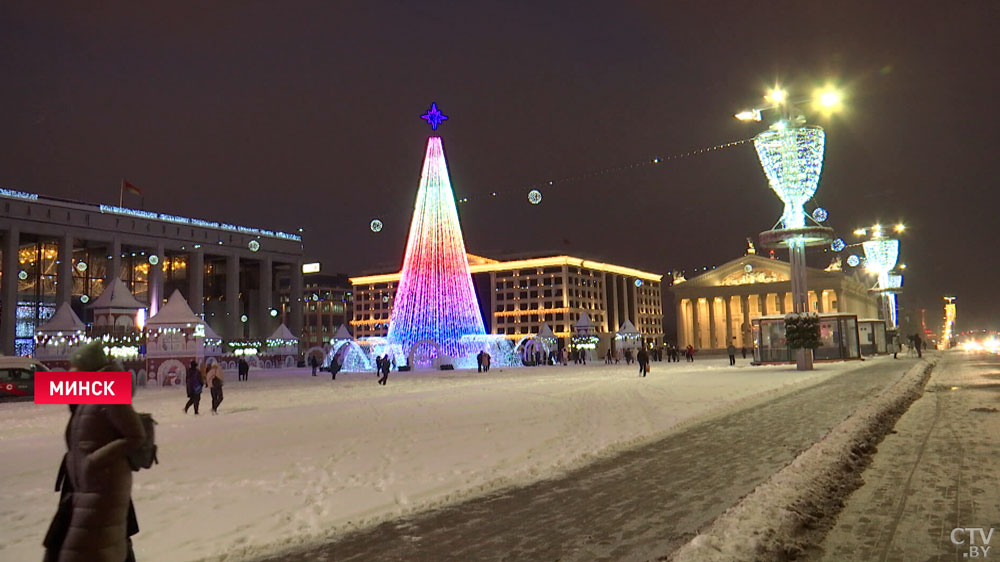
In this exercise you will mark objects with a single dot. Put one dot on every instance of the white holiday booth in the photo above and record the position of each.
(282, 349)
(174, 337)
(57, 339)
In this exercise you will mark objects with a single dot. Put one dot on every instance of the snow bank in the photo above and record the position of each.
(295, 459)
(777, 520)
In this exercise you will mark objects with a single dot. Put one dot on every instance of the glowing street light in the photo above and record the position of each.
(860, 232)
(777, 96)
(900, 227)
(749, 115)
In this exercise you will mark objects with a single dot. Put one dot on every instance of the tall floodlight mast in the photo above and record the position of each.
(791, 154)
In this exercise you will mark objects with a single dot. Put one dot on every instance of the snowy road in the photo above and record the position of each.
(639, 505)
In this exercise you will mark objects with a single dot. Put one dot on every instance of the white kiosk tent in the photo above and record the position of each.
(628, 337)
(174, 338)
(58, 338)
(116, 310)
(283, 347)
(585, 338)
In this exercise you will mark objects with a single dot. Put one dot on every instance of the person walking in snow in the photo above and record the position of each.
(743, 350)
(642, 358)
(480, 360)
(384, 368)
(690, 353)
(314, 363)
(214, 380)
(486, 361)
(731, 350)
(242, 370)
(195, 383)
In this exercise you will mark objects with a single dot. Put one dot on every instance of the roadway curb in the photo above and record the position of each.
(790, 512)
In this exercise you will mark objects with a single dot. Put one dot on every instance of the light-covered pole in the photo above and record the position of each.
(791, 154)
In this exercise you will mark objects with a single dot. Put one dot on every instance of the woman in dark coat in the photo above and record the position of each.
(99, 436)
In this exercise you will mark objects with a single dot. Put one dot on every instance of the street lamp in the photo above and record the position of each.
(791, 154)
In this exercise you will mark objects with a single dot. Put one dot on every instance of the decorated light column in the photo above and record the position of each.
(791, 154)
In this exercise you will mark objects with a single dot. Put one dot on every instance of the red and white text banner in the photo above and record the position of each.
(83, 387)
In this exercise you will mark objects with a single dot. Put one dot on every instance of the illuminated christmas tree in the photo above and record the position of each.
(435, 299)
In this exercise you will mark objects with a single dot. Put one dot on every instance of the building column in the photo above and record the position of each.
(115, 267)
(64, 272)
(729, 319)
(780, 298)
(8, 298)
(695, 324)
(264, 298)
(196, 281)
(613, 309)
(295, 299)
(156, 281)
(607, 307)
(234, 328)
(713, 332)
(765, 309)
(745, 329)
(681, 324)
(836, 298)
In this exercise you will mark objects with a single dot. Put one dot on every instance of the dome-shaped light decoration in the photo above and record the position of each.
(853, 260)
(838, 245)
(820, 214)
(376, 225)
(792, 158)
(534, 197)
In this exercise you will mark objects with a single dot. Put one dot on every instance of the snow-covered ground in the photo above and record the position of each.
(295, 458)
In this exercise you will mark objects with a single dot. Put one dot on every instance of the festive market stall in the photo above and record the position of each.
(628, 337)
(282, 349)
(58, 338)
(174, 338)
(585, 339)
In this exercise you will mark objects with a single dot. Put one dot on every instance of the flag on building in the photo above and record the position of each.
(131, 188)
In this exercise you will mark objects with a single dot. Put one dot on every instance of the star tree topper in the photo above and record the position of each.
(434, 117)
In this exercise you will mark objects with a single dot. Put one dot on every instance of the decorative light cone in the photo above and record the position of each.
(881, 255)
(792, 159)
(435, 299)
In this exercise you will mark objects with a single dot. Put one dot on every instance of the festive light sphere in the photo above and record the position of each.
(273, 313)
(792, 158)
(84, 299)
(253, 245)
(820, 214)
(748, 268)
(638, 282)
(838, 245)
(154, 259)
(376, 225)
(81, 266)
(853, 260)
(534, 197)
(22, 275)
(244, 318)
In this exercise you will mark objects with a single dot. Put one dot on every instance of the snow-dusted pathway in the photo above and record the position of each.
(937, 471)
(638, 505)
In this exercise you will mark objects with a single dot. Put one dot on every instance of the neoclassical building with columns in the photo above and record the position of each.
(56, 251)
(717, 306)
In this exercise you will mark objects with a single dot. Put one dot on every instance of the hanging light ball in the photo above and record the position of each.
(154, 259)
(81, 266)
(253, 245)
(820, 214)
(376, 225)
(838, 245)
(638, 282)
(534, 197)
(853, 260)
(748, 268)
(84, 299)
(22, 275)
(273, 313)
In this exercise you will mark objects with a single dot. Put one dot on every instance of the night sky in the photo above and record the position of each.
(305, 114)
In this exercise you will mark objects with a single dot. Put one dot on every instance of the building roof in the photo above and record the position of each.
(546, 332)
(583, 321)
(342, 333)
(210, 333)
(176, 311)
(755, 269)
(64, 320)
(116, 295)
(483, 265)
(282, 333)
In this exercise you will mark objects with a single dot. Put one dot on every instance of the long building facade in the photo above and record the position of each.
(57, 251)
(717, 307)
(518, 297)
